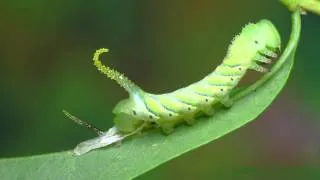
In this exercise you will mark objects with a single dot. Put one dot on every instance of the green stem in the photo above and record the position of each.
(289, 51)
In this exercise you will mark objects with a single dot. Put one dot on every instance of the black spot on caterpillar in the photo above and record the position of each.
(257, 43)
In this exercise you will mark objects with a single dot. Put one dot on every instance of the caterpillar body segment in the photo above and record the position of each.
(256, 44)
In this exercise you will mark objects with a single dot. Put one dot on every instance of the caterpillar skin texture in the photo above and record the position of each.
(256, 44)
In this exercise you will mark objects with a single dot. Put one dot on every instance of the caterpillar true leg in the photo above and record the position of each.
(269, 52)
(263, 59)
(257, 67)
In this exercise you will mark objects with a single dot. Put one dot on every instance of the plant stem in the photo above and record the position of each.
(289, 51)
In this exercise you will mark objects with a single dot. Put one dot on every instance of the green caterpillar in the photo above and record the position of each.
(256, 44)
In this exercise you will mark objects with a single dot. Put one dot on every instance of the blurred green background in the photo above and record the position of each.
(46, 51)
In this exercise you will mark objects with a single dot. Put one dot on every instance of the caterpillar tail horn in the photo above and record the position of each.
(121, 79)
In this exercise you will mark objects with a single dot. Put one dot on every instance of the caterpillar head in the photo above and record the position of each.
(266, 38)
(256, 42)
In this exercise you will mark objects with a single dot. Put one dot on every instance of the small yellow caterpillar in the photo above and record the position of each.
(257, 42)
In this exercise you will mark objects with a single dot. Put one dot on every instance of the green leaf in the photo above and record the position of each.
(150, 149)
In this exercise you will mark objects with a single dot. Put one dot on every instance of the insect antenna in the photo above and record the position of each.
(121, 79)
(83, 123)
